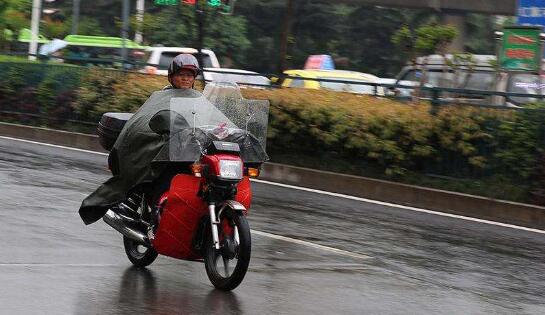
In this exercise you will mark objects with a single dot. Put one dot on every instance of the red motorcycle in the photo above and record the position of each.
(215, 143)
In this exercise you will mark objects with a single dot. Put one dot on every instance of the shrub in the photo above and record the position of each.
(94, 95)
(57, 81)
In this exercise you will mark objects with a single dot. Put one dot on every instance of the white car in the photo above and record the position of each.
(160, 58)
(243, 78)
(399, 91)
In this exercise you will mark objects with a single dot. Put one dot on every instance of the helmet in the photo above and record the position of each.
(183, 61)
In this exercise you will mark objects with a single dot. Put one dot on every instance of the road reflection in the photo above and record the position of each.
(140, 290)
(219, 302)
(138, 284)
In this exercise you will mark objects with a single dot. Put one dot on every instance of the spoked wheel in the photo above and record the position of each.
(139, 255)
(227, 266)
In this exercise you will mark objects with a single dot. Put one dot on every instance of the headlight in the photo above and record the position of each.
(230, 169)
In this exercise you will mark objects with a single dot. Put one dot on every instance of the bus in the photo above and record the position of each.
(100, 51)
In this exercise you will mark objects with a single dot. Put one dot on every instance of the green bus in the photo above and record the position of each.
(100, 51)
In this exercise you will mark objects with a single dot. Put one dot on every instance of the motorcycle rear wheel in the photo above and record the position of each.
(218, 262)
(139, 255)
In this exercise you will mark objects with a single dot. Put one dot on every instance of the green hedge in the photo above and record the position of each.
(495, 153)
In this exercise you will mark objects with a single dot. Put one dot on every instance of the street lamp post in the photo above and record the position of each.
(199, 15)
(139, 21)
(34, 28)
(285, 35)
(125, 31)
(75, 16)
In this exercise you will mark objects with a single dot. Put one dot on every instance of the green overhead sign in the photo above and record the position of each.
(225, 5)
(165, 2)
(521, 49)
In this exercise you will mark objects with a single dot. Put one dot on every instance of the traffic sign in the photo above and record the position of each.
(521, 49)
(165, 2)
(531, 12)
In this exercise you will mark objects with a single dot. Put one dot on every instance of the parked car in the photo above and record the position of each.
(399, 92)
(526, 83)
(160, 58)
(350, 78)
(243, 78)
(477, 74)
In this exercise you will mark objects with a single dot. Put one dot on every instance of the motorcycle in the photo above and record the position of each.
(216, 143)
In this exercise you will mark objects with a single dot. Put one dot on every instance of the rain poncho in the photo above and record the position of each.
(135, 149)
(176, 125)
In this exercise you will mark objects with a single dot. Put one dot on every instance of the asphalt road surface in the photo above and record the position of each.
(334, 256)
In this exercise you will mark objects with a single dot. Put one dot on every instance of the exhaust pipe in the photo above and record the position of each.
(114, 220)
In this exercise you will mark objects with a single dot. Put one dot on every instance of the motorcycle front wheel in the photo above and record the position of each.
(227, 266)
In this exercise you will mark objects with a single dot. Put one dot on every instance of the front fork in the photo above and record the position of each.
(215, 221)
(214, 224)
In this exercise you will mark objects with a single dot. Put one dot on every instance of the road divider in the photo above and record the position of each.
(407, 195)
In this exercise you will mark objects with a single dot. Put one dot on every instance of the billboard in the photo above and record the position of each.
(521, 49)
(531, 12)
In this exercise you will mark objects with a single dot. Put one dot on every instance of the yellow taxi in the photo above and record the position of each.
(346, 81)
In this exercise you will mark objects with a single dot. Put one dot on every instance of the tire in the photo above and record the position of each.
(139, 255)
(220, 278)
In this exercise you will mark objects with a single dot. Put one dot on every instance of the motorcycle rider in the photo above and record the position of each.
(182, 71)
(139, 143)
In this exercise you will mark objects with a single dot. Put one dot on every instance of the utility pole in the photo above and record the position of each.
(199, 15)
(139, 21)
(75, 16)
(285, 35)
(35, 29)
(125, 31)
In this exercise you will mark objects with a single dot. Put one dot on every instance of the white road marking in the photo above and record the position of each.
(313, 245)
(511, 226)
(382, 203)
(71, 265)
(55, 265)
(53, 145)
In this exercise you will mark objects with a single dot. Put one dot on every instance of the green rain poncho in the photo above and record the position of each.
(135, 149)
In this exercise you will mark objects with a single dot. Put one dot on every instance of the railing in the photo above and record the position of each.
(436, 93)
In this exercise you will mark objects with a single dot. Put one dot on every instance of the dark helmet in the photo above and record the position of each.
(183, 61)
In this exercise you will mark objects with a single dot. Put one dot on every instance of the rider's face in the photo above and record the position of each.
(183, 79)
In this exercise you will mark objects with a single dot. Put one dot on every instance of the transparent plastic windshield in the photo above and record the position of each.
(220, 114)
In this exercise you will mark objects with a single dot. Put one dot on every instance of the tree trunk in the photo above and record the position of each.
(285, 35)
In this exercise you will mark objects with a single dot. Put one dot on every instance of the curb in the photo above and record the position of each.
(59, 137)
(433, 199)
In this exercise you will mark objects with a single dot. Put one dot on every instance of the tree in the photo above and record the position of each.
(264, 20)
(227, 36)
(480, 29)
(425, 40)
(176, 26)
(14, 15)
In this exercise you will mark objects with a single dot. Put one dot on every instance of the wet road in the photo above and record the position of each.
(402, 262)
